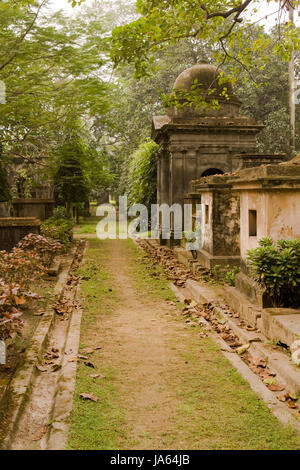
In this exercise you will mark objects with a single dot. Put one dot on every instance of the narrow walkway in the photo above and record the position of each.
(159, 384)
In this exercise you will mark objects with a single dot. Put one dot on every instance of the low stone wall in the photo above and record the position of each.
(12, 230)
(42, 209)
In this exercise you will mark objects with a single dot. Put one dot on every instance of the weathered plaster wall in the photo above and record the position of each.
(278, 215)
(283, 214)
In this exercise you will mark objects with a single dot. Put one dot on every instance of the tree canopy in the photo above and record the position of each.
(218, 23)
(103, 71)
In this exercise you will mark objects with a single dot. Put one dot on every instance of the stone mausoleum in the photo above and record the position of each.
(194, 143)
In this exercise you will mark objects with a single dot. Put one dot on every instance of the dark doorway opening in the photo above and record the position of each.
(212, 171)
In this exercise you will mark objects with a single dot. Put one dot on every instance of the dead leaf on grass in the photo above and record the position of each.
(89, 364)
(89, 351)
(84, 358)
(89, 396)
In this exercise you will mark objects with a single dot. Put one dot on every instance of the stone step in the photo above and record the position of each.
(203, 294)
(281, 324)
(278, 359)
(248, 311)
(185, 257)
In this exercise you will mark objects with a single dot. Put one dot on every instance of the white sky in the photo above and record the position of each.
(266, 9)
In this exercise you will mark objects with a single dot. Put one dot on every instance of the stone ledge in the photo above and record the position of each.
(280, 324)
(19, 222)
(19, 388)
(33, 201)
(210, 261)
(279, 361)
(248, 311)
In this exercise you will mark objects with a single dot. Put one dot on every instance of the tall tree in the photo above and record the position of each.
(164, 22)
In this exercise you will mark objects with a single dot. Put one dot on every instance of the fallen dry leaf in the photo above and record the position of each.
(282, 397)
(293, 396)
(73, 359)
(259, 363)
(276, 388)
(84, 358)
(269, 381)
(89, 396)
(255, 340)
(89, 351)
(292, 404)
(89, 364)
(41, 368)
(242, 349)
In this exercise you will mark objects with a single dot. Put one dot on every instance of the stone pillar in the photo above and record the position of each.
(163, 191)
(176, 190)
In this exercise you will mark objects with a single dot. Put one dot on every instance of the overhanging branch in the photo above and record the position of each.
(226, 14)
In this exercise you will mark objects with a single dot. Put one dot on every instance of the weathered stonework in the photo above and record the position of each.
(243, 208)
(194, 143)
(220, 220)
(12, 230)
(40, 208)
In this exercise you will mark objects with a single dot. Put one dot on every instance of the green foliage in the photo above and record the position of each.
(70, 180)
(217, 272)
(162, 23)
(231, 274)
(58, 229)
(276, 267)
(50, 65)
(142, 173)
(60, 212)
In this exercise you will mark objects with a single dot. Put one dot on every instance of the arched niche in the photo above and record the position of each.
(212, 171)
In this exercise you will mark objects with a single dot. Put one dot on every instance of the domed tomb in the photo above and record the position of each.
(203, 83)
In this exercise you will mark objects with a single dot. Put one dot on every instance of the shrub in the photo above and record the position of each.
(20, 266)
(142, 175)
(58, 229)
(45, 248)
(13, 298)
(231, 274)
(276, 268)
(60, 212)
(217, 272)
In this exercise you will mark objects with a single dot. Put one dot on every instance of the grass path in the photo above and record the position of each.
(165, 387)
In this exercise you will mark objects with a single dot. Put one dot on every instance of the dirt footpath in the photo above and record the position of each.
(164, 385)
